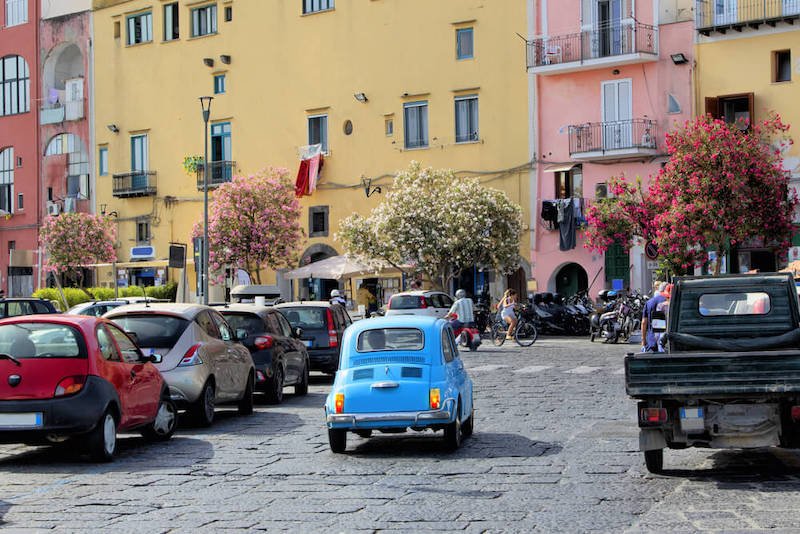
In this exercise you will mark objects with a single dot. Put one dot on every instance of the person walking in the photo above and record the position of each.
(649, 337)
(507, 311)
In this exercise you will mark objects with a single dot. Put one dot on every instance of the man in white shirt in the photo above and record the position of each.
(461, 313)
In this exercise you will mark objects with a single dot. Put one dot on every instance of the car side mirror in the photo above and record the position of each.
(241, 334)
(298, 332)
(152, 358)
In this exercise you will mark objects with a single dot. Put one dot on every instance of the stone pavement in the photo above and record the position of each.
(555, 450)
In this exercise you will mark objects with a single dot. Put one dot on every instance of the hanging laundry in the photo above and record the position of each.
(566, 225)
(549, 214)
(311, 161)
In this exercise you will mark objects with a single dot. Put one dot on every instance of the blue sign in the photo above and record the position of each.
(618, 284)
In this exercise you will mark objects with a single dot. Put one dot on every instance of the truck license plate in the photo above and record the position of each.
(692, 419)
(308, 342)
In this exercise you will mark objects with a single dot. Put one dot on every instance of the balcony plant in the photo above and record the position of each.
(191, 164)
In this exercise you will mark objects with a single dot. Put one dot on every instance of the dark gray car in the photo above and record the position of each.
(322, 325)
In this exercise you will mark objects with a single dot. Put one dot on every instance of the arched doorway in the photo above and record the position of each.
(316, 288)
(517, 281)
(570, 279)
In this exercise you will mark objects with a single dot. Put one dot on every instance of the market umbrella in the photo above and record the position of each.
(333, 268)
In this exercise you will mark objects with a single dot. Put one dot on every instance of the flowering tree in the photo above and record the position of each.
(75, 240)
(253, 222)
(436, 224)
(721, 186)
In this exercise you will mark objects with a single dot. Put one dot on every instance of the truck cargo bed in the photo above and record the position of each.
(710, 374)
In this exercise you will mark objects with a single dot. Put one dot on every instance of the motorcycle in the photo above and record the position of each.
(467, 336)
(600, 322)
(482, 312)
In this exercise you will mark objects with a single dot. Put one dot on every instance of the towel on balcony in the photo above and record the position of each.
(566, 225)
(311, 162)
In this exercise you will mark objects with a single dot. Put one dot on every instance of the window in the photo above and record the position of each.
(224, 330)
(464, 43)
(127, 349)
(673, 106)
(143, 232)
(171, 22)
(733, 109)
(207, 324)
(390, 339)
(228, 13)
(313, 6)
(204, 20)
(714, 304)
(20, 201)
(15, 86)
(415, 116)
(388, 126)
(140, 28)
(102, 161)
(49, 194)
(6, 179)
(447, 347)
(16, 12)
(107, 348)
(782, 66)
(318, 221)
(219, 84)
(318, 131)
(569, 183)
(139, 152)
(221, 141)
(466, 119)
(78, 186)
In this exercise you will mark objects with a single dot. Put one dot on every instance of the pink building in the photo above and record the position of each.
(610, 78)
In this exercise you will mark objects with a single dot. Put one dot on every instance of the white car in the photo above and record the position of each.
(433, 303)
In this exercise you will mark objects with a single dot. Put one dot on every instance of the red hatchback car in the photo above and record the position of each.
(76, 377)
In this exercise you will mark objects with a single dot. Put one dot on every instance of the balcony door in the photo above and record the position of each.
(220, 151)
(791, 7)
(617, 114)
(608, 30)
(138, 161)
(725, 12)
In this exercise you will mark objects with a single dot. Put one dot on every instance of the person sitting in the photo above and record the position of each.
(376, 339)
(461, 313)
(336, 298)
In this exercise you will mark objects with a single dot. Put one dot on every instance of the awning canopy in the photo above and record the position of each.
(560, 167)
(333, 268)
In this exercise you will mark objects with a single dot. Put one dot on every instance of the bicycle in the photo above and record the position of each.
(525, 335)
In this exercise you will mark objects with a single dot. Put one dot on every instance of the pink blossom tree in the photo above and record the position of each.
(720, 187)
(253, 223)
(75, 240)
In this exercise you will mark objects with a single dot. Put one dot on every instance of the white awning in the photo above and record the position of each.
(560, 167)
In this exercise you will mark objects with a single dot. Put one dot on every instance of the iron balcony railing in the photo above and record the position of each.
(606, 41)
(720, 15)
(219, 172)
(134, 184)
(605, 137)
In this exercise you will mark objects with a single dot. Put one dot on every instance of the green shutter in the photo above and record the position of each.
(617, 263)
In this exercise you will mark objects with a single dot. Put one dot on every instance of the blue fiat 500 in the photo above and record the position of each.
(397, 373)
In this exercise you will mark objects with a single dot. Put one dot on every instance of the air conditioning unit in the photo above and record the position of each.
(53, 208)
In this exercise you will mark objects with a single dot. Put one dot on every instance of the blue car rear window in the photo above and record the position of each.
(378, 339)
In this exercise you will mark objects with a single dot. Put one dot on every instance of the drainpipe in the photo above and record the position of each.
(39, 197)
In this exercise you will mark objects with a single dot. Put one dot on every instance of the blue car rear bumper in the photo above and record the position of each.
(422, 419)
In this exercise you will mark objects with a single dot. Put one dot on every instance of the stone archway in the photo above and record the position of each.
(316, 288)
(569, 279)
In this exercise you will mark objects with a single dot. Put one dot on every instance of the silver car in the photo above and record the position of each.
(197, 353)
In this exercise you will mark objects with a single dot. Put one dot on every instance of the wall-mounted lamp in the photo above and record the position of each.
(225, 58)
(113, 128)
(361, 97)
(208, 62)
(103, 211)
(678, 59)
(366, 183)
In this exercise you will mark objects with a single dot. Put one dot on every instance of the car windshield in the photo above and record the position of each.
(378, 339)
(306, 318)
(41, 340)
(405, 302)
(247, 321)
(153, 331)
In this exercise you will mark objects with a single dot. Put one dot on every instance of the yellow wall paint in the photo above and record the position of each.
(285, 63)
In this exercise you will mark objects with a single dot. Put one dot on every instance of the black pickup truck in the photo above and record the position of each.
(730, 376)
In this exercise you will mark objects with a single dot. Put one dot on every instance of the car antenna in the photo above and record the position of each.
(146, 302)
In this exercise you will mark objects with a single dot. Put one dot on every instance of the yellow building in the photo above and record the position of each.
(747, 67)
(378, 82)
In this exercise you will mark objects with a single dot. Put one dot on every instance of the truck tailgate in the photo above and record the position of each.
(722, 373)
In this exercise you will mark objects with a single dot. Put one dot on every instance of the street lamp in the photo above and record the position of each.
(205, 103)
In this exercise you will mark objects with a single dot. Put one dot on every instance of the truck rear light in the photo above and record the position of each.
(264, 342)
(69, 385)
(435, 399)
(333, 339)
(191, 357)
(795, 413)
(338, 403)
(653, 415)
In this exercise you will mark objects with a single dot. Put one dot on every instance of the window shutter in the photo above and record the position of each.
(751, 97)
(712, 106)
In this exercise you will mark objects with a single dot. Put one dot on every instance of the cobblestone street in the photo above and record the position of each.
(555, 449)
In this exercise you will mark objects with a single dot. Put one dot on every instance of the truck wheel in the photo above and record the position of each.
(337, 439)
(654, 460)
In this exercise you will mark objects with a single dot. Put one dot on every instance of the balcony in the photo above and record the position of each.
(51, 115)
(74, 110)
(219, 172)
(618, 140)
(134, 184)
(611, 45)
(723, 15)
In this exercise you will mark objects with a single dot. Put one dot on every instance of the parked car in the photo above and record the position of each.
(16, 306)
(281, 359)
(433, 303)
(197, 352)
(322, 325)
(78, 378)
(398, 373)
(96, 308)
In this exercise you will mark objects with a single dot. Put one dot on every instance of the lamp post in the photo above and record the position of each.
(205, 103)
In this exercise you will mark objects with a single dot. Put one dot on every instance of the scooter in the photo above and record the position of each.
(468, 336)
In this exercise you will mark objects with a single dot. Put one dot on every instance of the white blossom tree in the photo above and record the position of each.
(436, 224)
